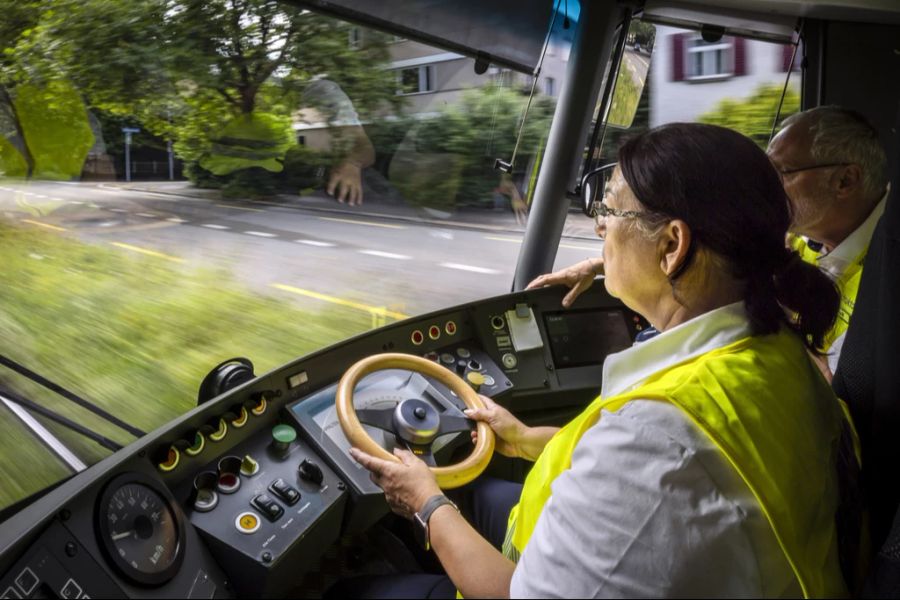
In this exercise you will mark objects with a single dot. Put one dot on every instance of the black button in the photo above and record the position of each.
(268, 507)
(26, 581)
(287, 493)
(71, 590)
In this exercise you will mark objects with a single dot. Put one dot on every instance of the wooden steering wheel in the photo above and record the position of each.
(414, 421)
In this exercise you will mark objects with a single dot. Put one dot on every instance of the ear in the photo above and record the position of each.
(674, 246)
(848, 180)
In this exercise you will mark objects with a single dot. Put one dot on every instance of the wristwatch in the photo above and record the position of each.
(420, 519)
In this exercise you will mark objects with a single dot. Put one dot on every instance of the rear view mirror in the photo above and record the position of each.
(593, 185)
(633, 72)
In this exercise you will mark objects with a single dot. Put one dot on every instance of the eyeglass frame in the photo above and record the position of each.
(597, 208)
(811, 167)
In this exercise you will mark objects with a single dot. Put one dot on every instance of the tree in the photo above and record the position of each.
(754, 116)
(184, 69)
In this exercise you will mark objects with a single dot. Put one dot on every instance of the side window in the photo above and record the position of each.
(696, 59)
(415, 80)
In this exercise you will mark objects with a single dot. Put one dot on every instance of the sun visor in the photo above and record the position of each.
(769, 27)
(507, 33)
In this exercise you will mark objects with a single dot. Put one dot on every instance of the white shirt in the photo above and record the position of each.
(650, 506)
(842, 257)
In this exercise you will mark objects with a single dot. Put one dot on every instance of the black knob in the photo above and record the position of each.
(420, 413)
(460, 366)
(310, 471)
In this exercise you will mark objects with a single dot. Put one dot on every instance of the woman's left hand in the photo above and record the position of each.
(407, 485)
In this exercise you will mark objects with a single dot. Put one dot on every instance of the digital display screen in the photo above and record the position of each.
(586, 337)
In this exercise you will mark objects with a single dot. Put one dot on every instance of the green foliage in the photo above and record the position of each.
(460, 145)
(11, 162)
(155, 331)
(753, 116)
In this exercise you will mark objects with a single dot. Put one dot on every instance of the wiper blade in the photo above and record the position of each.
(58, 418)
(71, 397)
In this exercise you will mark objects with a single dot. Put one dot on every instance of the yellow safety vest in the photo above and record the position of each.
(847, 283)
(774, 417)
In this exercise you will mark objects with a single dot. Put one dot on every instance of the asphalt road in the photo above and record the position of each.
(311, 257)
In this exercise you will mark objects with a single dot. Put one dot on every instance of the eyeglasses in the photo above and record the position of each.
(599, 210)
(811, 167)
(592, 187)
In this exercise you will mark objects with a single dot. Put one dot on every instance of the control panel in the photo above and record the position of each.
(254, 508)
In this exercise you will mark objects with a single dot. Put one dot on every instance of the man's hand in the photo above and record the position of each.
(579, 277)
(407, 485)
(345, 183)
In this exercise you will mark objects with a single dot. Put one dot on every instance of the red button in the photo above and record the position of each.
(450, 328)
(434, 332)
(417, 337)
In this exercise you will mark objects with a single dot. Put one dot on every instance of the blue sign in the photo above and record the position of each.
(130, 130)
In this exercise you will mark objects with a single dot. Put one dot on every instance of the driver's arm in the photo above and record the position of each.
(471, 562)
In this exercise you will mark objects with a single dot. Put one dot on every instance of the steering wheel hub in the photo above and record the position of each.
(416, 421)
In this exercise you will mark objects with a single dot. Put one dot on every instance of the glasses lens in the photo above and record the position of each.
(588, 195)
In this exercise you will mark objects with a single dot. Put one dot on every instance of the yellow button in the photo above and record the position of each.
(475, 379)
(247, 522)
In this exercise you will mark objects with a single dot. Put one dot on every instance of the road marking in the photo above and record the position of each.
(379, 310)
(385, 254)
(212, 226)
(470, 268)
(261, 234)
(574, 247)
(118, 210)
(148, 252)
(315, 243)
(39, 224)
(147, 215)
(502, 239)
(74, 201)
(355, 222)
(241, 208)
(176, 220)
(39, 196)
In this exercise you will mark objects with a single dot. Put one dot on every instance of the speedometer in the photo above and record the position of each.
(140, 529)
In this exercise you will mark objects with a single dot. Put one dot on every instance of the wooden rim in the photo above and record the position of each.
(448, 477)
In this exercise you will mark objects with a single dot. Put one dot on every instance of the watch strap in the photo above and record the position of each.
(423, 516)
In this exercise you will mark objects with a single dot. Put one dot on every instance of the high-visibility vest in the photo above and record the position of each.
(847, 283)
(774, 418)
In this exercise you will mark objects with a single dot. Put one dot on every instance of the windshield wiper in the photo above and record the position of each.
(71, 397)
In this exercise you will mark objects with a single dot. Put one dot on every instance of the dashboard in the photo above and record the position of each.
(240, 496)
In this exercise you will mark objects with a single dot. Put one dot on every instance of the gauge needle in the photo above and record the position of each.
(118, 536)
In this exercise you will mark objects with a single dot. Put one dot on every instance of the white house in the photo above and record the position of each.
(691, 76)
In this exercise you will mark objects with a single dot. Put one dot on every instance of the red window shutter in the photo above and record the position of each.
(787, 51)
(678, 56)
(740, 56)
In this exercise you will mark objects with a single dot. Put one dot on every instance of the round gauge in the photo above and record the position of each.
(140, 530)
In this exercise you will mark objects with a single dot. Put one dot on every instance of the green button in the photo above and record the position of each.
(284, 434)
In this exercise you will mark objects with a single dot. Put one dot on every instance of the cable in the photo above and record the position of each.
(787, 79)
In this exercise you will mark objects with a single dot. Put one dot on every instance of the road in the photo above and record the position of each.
(311, 257)
(638, 64)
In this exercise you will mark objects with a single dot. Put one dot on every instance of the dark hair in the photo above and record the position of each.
(723, 186)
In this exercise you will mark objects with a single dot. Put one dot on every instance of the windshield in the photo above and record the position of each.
(184, 182)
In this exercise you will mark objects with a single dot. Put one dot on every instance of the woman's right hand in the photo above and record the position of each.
(579, 277)
(509, 431)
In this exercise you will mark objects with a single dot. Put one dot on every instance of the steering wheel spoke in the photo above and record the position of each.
(422, 452)
(380, 418)
(454, 424)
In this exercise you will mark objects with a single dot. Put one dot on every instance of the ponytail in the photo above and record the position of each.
(802, 289)
(811, 295)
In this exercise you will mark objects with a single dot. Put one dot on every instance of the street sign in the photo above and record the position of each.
(130, 130)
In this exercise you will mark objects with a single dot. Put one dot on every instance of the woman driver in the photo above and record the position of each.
(707, 465)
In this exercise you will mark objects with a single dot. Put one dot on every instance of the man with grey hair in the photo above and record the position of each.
(834, 172)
